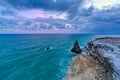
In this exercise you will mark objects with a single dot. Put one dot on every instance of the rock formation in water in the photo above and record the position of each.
(101, 62)
(47, 48)
(76, 47)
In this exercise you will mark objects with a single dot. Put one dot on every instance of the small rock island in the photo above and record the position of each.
(101, 61)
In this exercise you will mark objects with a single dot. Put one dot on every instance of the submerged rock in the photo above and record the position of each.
(76, 48)
(47, 48)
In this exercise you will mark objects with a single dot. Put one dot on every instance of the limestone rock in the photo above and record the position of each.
(99, 62)
(76, 47)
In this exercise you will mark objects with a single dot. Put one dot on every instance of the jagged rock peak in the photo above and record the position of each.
(76, 47)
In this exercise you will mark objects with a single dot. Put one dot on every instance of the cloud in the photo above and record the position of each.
(61, 5)
(102, 4)
(36, 24)
(106, 21)
(33, 20)
(63, 16)
(6, 11)
(91, 20)
(39, 13)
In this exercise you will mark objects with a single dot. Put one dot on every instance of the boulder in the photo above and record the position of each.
(76, 47)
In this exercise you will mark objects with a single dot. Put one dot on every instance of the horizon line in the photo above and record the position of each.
(55, 33)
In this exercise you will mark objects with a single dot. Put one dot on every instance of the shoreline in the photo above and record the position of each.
(92, 64)
(86, 68)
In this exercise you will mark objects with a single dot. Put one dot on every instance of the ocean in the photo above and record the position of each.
(25, 57)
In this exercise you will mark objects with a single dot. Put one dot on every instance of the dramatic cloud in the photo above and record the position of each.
(106, 20)
(62, 5)
(59, 16)
(92, 20)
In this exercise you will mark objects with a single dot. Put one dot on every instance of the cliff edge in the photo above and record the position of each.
(100, 61)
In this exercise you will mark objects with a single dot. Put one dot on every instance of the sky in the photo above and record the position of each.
(59, 16)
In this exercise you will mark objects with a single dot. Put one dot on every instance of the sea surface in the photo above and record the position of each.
(25, 57)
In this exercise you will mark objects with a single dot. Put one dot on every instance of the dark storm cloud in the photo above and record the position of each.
(6, 9)
(61, 5)
(106, 21)
(87, 20)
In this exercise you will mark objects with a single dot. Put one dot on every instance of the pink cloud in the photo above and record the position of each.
(35, 13)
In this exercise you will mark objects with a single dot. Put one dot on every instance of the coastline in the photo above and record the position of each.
(95, 63)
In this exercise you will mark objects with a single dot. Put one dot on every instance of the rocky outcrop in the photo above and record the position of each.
(86, 68)
(76, 47)
(107, 51)
(100, 61)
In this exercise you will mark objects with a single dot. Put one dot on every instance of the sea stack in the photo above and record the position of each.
(76, 47)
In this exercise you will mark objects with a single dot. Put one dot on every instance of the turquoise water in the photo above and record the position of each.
(24, 57)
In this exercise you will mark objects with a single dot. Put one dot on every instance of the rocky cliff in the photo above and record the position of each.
(100, 61)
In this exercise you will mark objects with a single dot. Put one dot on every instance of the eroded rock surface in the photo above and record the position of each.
(107, 49)
(86, 68)
(100, 61)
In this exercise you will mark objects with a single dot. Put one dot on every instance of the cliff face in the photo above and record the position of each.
(100, 61)
(86, 68)
(107, 50)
